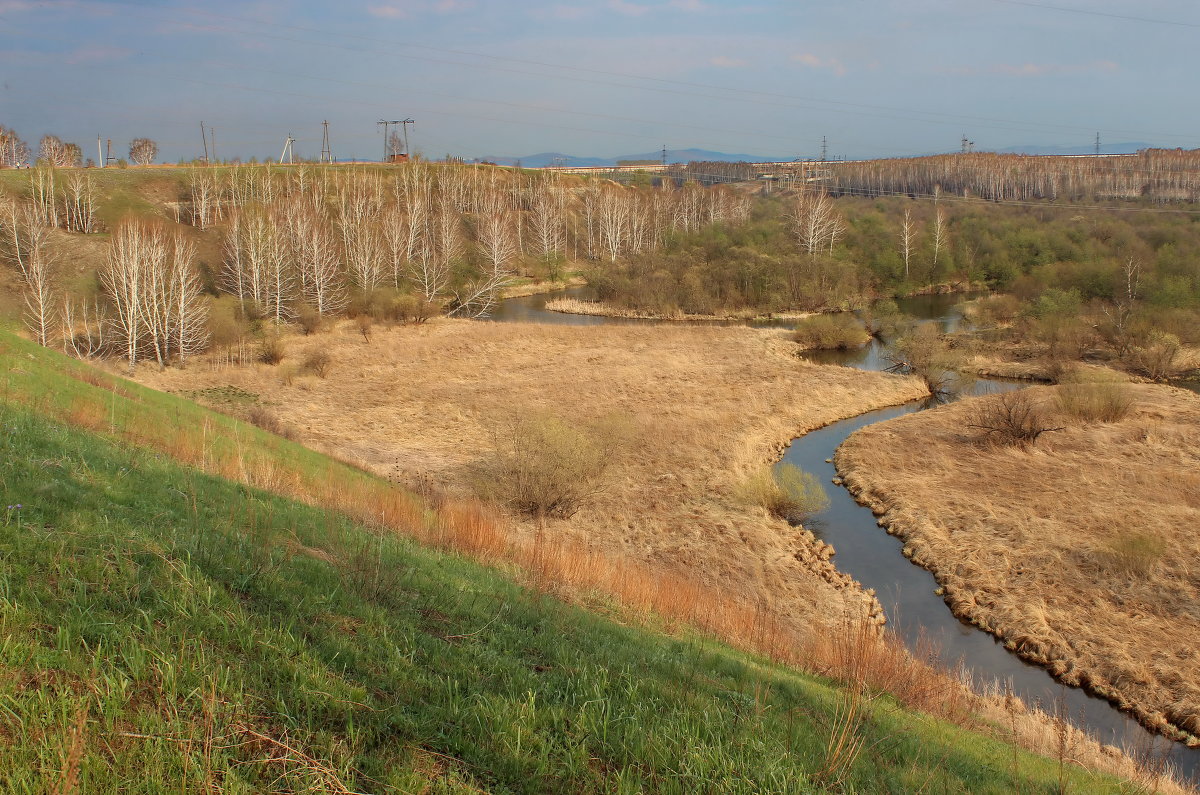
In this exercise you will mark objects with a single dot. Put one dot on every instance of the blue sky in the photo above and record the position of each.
(876, 77)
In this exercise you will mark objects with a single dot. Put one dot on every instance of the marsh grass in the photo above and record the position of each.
(1076, 552)
(1101, 401)
(785, 491)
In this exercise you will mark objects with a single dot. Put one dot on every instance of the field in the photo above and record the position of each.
(705, 407)
(174, 621)
(1080, 551)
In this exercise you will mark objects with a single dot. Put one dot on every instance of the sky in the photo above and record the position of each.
(874, 78)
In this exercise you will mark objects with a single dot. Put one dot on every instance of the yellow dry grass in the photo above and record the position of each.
(709, 405)
(1081, 552)
(575, 306)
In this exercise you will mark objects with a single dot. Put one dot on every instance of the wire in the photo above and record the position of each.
(1088, 12)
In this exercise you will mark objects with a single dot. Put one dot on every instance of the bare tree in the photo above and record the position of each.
(25, 243)
(79, 200)
(14, 153)
(1120, 314)
(496, 235)
(205, 194)
(908, 237)
(815, 222)
(151, 279)
(54, 152)
(142, 151)
(939, 235)
(313, 250)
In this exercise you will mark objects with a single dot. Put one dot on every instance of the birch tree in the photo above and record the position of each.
(908, 237)
(26, 244)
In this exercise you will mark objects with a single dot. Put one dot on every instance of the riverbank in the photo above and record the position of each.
(1078, 552)
(709, 406)
(526, 288)
(575, 306)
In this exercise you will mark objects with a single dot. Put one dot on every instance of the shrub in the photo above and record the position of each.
(994, 310)
(364, 323)
(266, 419)
(831, 331)
(925, 353)
(273, 349)
(544, 467)
(318, 363)
(310, 320)
(1156, 358)
(1095, 402)
(1013, 418)
(788, 492)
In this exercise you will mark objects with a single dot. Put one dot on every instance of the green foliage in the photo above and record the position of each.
(1132, 554)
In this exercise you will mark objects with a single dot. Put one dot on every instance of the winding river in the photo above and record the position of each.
(874, 558)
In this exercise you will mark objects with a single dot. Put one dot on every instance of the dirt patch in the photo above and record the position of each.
(1080, 552)
(708, 406)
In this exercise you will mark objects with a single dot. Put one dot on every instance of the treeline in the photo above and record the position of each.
(1153, 175)
(812, 251)
(308, 244)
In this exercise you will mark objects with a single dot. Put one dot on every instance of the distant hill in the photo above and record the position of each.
(543, 159)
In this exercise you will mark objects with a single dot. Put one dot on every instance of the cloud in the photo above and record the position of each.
(725, 62)
(405, 9)
(694, 6)
(388, 11)
(1047, 69)
(627, 8)
(814, 61)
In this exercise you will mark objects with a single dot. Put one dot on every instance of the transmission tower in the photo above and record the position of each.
(824, 149)
(1097, 143)
(326, 152)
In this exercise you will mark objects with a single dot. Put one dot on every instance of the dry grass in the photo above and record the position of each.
(708, 406)
(1081, 552)
(574, 306)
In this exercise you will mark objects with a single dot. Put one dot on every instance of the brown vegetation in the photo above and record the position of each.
(1078, 552)
(708, 406)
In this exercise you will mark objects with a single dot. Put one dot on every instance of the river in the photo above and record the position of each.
(874, 558)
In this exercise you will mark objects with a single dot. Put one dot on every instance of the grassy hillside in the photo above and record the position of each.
(165, 630)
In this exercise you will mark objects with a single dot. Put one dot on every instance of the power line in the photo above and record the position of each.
(1090, 13)
(742, 94)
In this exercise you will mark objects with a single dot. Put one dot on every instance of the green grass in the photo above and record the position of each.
(164, 630)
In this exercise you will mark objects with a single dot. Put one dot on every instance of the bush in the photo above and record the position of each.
(1095, 402)
(1012, 418)
(1156, 358)
(318, 363)
(925, 353)
(994, 310)
(310, 320)
(266, 419)
(831, 332)
(543, 467)
(273, 349)
(788, 492)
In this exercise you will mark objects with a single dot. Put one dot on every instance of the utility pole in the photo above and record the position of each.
(212, 133)
(326, 152)
(109, 158)
(99, 152)
(287, 149)
(204, 138)
(407, 122)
